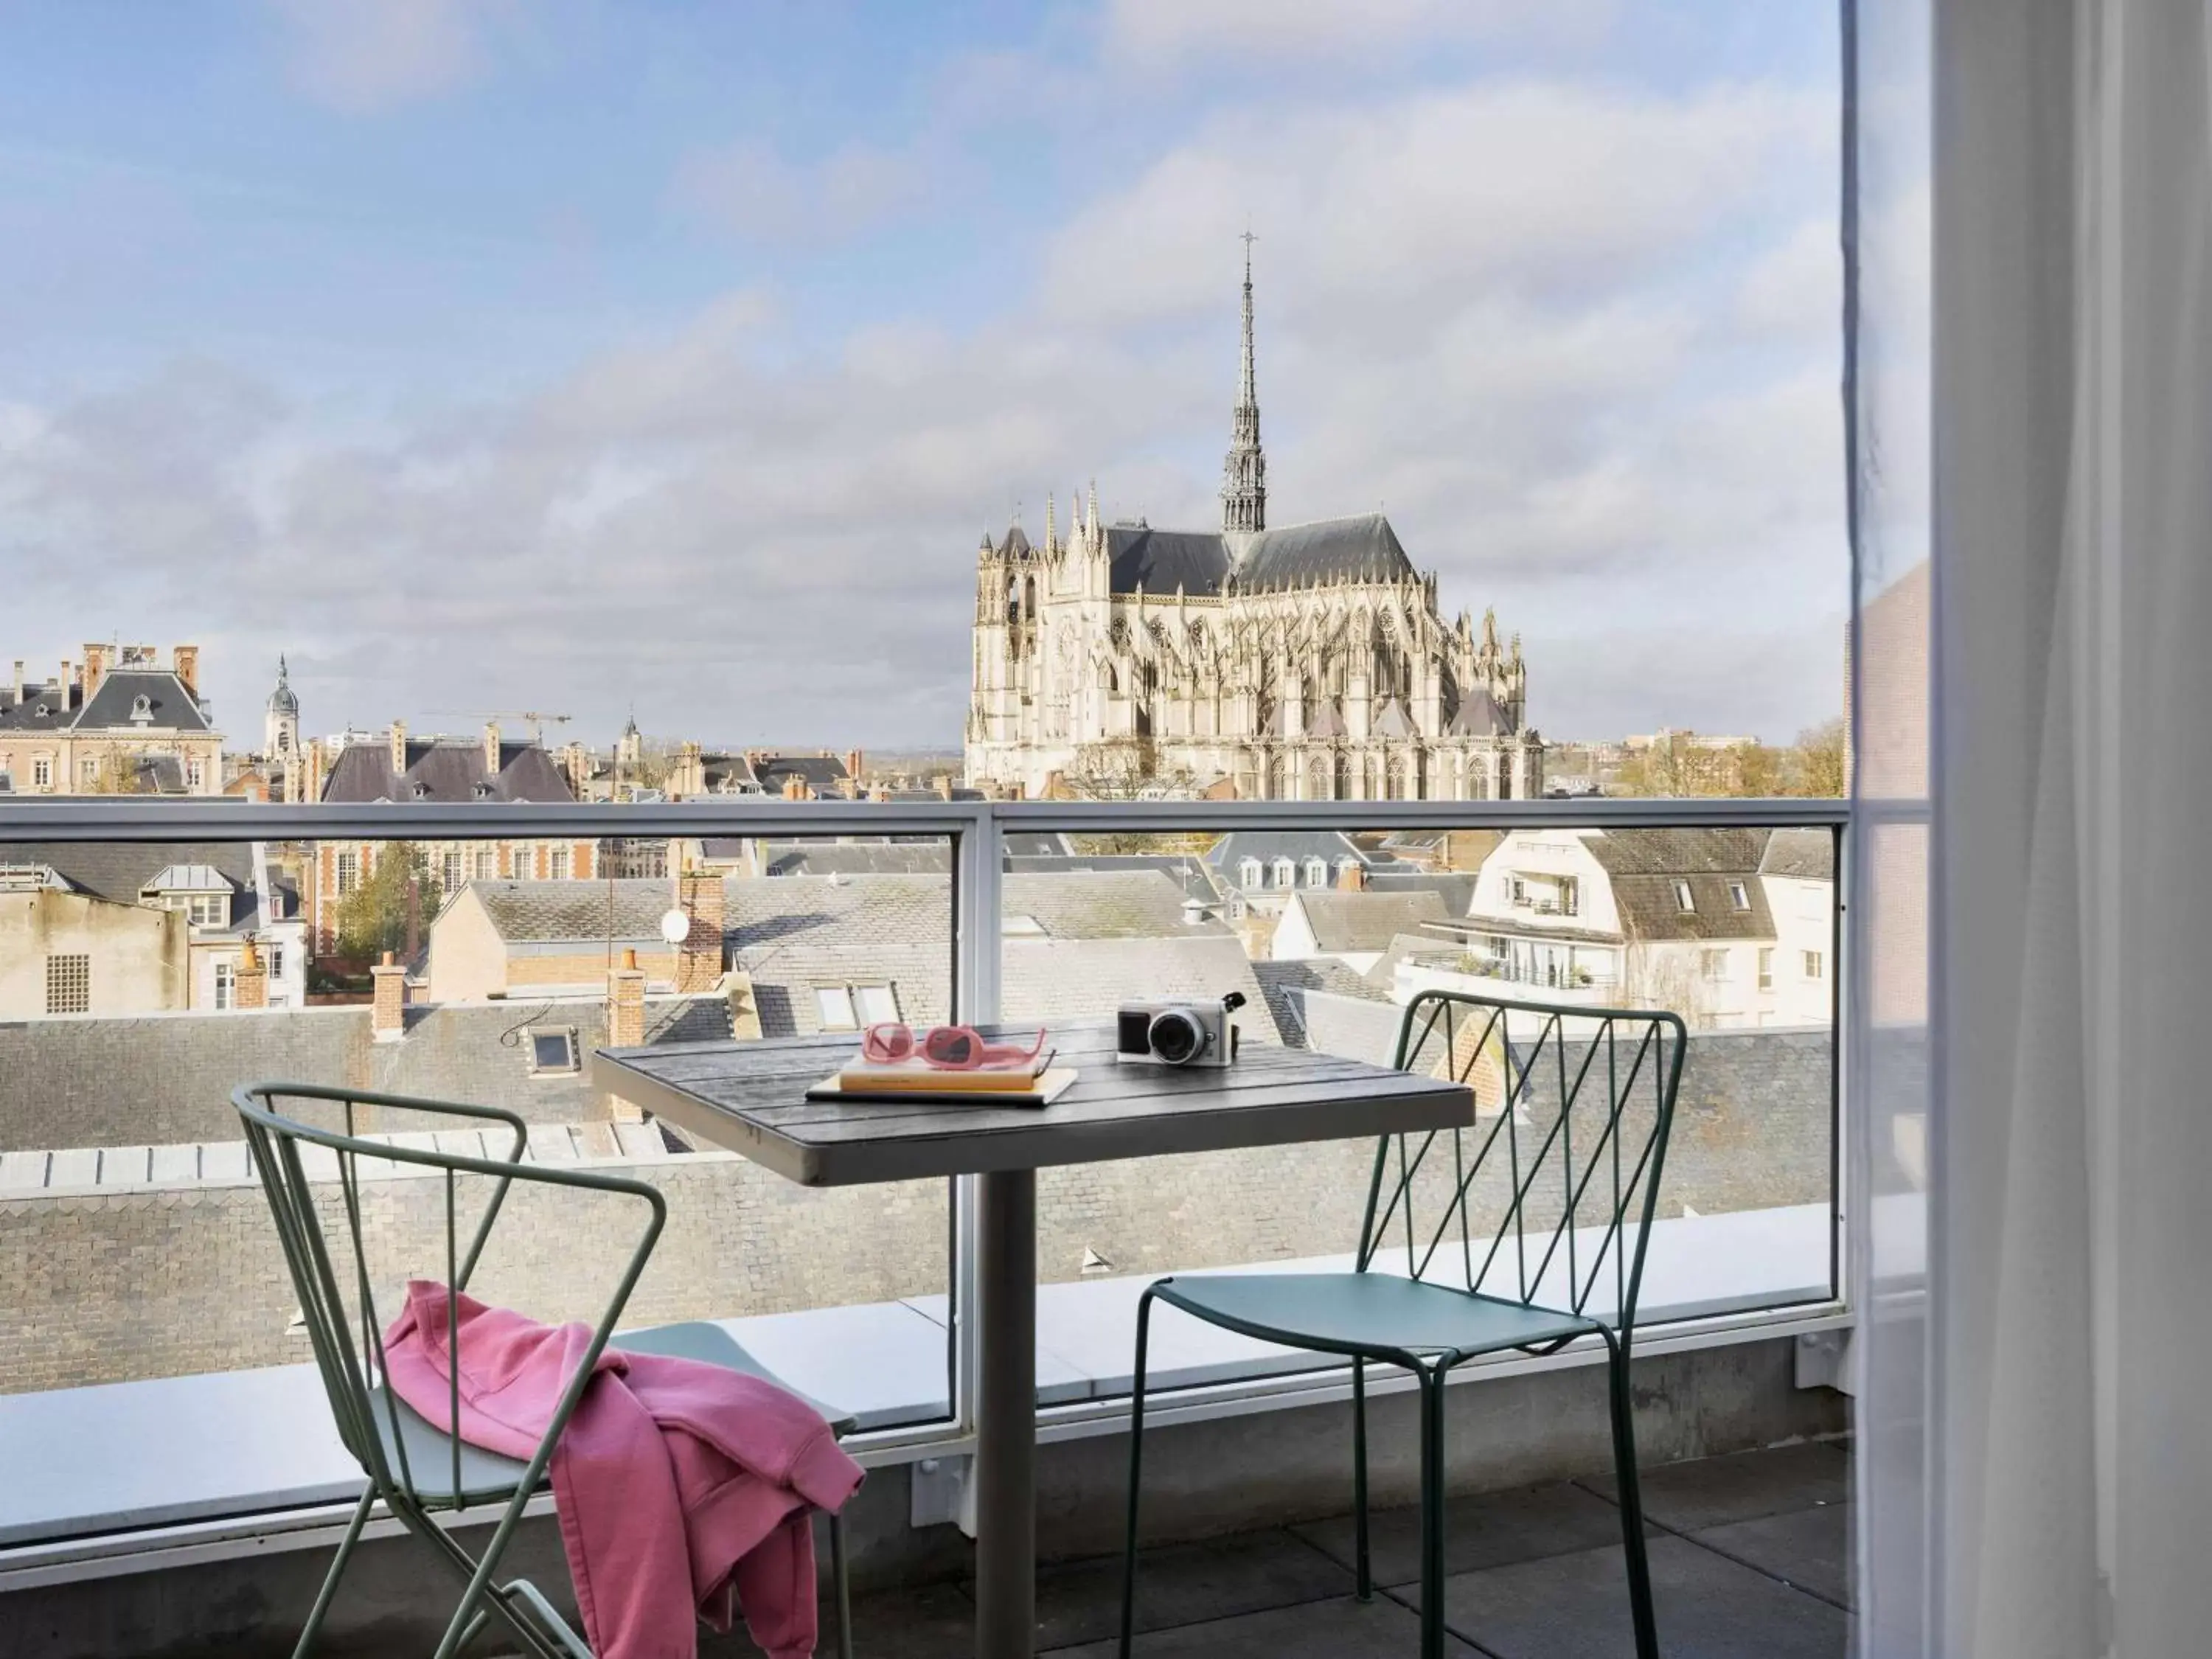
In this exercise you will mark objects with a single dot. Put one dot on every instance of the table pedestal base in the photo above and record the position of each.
(1006, 1426)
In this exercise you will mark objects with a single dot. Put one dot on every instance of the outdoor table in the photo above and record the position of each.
(751, 1097)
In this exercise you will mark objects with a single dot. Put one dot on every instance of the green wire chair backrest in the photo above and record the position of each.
(324, 1238)
(1558, 1178)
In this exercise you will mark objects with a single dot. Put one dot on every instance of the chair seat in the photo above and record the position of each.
(1354, 1313)
(487, 1477)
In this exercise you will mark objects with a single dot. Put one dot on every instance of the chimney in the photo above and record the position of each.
(310, 788)
(187, 661)
(250, 988)
(69, 678)
(95, 669)
(491, 749)
(853, 758)
(398, 747)
(625, 1023)
(794, 787)
(387, 1017)
(19, 682)
(944, 786)
(699, 958)
(1353, 878)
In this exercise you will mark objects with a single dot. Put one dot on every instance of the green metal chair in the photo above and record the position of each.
(417, 1470)
(1562, 1183)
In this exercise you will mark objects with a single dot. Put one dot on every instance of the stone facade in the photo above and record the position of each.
(118, 723)
(1305, 663)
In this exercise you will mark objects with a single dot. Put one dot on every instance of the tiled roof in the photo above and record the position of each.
(623, 911)
(446, 770)
(121, 870)
(1162, 560)
(1645, 865)
(868, 858)
(1279, 981)
(1362, 921)
(170, 708)
(1103, 904)
(1360, 548)
(1455, 887)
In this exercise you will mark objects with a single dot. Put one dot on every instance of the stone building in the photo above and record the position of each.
(120, 722)
(1308, 662)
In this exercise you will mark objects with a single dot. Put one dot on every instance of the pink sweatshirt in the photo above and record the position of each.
(680, 1487)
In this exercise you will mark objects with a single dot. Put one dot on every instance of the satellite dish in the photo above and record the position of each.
(676, 927)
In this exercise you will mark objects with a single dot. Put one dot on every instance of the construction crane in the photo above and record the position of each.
(536, 718)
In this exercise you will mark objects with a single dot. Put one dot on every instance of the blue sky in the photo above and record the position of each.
(575, 355)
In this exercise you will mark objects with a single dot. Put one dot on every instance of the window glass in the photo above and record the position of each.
(1683, 900)
(877, 1004)
(552, 1051)
(1812, 964)
(833, 1007)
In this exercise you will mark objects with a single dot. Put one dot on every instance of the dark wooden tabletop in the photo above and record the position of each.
(751, 1097)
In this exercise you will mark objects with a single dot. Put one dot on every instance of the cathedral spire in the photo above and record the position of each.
(1244, 471)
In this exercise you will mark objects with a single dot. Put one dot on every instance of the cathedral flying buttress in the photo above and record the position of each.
(1304, 663)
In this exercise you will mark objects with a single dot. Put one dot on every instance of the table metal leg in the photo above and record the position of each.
(1005, 1428)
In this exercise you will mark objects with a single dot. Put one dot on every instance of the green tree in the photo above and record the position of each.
(393, 901)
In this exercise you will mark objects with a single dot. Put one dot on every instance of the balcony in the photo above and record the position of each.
(174, 1480)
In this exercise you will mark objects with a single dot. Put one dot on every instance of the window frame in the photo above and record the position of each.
(1685, 901)
(565, 1035)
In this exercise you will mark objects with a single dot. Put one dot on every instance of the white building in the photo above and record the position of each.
(1731, 928)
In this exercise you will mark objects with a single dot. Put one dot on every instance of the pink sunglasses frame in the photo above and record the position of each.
(892, 1041)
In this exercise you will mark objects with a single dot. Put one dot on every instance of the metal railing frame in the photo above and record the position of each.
(975, 830)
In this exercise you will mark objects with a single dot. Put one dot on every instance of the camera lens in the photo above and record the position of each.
(1176, 1038)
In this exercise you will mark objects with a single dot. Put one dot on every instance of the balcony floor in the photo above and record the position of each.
(1748, 1557)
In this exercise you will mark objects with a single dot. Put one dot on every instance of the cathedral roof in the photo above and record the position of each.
(1328, 549)
(1363, 548)
(1478, 716)
(1161, 561)
(1015, 544)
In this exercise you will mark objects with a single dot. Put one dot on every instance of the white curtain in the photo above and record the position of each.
(2037, 1424)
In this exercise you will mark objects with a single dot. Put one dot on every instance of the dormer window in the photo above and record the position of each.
(483, 791)
(422, 791)
(1683, 901)
(1248, 873)
(142, 709)
(1286, 873)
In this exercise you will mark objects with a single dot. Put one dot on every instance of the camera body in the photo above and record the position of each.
(1177, 1033)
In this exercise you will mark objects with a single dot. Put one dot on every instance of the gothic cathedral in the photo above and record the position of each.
(1307, 663)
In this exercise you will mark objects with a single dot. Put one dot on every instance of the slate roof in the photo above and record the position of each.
(1297, 845)
(1391, 720)
(538, 911)
(1361, 922)
(1361, 547)
(1279, 981)
(51, 707)
(1162, 560)
(1455, 887)
(868, 858)
(445, 769)
(1644, 864)
(171, 708)
(1807, 855)
(1186, 869)
(1141, 903)
(121, 870)
(822, 773)
(1478, 716)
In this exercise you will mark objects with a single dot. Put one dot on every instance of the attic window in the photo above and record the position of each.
(142, 708)
(552, 1050)
(1317, 872)
(1248, 873)
(1682, 899)
(1739, 897)
(483, 792)
(422, 791)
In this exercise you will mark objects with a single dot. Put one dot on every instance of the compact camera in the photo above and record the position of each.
(1178, 1033)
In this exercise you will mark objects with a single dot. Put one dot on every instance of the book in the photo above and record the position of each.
(861, 1077)
(1037, 1089)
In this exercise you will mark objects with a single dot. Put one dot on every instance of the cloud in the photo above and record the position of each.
(1153, 35)
(366, 56)
(1527, 317)
(751, 192)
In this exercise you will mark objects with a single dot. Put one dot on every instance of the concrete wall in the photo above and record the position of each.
(139, 956)
(1201, 1479)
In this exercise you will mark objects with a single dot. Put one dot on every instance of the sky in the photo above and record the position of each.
(594, 356)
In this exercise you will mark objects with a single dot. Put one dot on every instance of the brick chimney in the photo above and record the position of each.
(95, 668)
(794, 787)
(853, 758)
(250, 987)
(625, 1023)
(1352, 878)
(399, 746)
(187, 661)
(310, 788)
(491, 749)
(387, 1018)
(699, 959)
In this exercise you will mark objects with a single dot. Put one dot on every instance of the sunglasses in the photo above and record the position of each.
(949, 1047)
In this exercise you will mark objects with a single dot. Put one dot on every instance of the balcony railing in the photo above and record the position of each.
(978, 893)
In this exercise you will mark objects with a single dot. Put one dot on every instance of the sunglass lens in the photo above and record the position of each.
(949, 1047)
